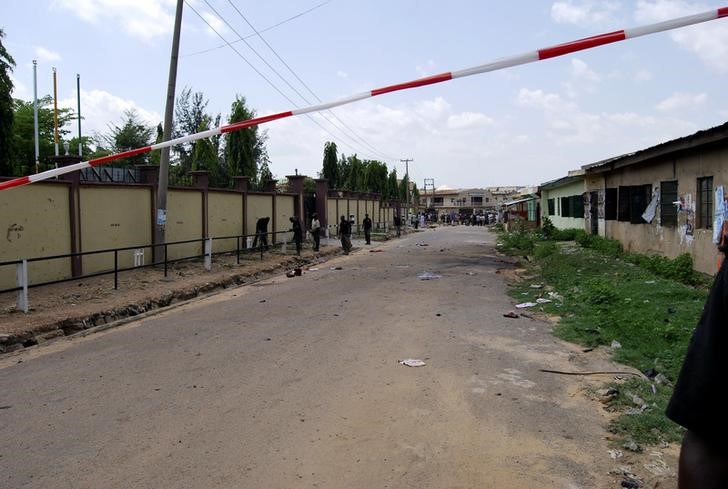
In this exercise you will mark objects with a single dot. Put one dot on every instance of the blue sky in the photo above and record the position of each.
(525, 125)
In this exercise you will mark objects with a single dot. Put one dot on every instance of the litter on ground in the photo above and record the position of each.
(412, 362)
(428, 276)
(511, 314)
(541, 300)
(524, 305)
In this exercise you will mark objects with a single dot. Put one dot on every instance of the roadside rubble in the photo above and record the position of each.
(412, 362)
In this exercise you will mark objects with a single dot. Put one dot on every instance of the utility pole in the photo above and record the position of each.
(160, 228)
(55, 113)
(35, 114)
(406, 176)
(78, 103)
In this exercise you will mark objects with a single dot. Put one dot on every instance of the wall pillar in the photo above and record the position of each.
(295, 186)
(242, 184)
(201, 180)
(322, 206)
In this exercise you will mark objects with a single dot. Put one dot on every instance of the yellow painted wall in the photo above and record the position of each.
(34, 221)
(333, 216)
(284, 210)
(258, 206)
(114, 217)
(224, 218)
(184, 221)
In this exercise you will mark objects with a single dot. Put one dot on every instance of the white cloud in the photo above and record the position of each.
(681, 100)
(643, 76)
(215, 24)
(709, 41)
(467, 120)
(20, 89)
(342, 74)
(100, 108)
(581, 70)
(427, 68)
(143, 19)
(585, 12)
(46, 55)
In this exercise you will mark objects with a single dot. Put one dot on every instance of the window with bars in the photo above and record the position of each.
(632, 201)
(577, 206)
(565, 208)
(476, 200)
(551, 205)
(668, 209)
(704, 202)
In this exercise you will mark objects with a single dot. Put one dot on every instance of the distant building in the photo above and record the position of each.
(445, 200)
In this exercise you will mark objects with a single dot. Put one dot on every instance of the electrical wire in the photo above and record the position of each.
(264, 30)
(293, 72)
(274, 71)
(273, 85)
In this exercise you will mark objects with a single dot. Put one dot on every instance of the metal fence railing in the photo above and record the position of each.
(243, 244)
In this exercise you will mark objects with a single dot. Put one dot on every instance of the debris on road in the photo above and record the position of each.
(290, 274)
(470, 274)
(615, 454)
(511, 314)
(537, 286)
(313, 269)
(412, 362)
(524, 305)
(526, 315)
(632, 446)
(556, 296)
(337, 268)
(428, 276)
(375, 251)
(541, 300)
(616, 345)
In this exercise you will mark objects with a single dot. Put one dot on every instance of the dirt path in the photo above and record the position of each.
(295, 383)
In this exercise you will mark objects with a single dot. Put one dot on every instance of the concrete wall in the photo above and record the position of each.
(35, 221)
(224, 218)
(560, 222)
(184, 221)
(114, 217)
(285, 208)
(259, 205)
(671, 241)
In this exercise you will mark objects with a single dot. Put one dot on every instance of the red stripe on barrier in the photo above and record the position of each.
(413, 84)
(16, 182)
(723, 12)
(132, 152)
(586, 43)
(254, 122)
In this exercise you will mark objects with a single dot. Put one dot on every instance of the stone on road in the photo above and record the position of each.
(296, 383)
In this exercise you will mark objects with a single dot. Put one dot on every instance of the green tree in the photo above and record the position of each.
(375, 176)
(331, 164)
(131, 134)
(392, 186)
(6, 109)
(23, 134)
(205, 155)
(404, 189)
(86, 150)
(156, 156)
(245, 148)
(189, 115)
(264, 174)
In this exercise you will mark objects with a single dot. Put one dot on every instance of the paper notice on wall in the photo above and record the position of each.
(649, 214)
(720, 213)
(161, 217)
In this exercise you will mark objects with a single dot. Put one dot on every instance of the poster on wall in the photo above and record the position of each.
(720, 213)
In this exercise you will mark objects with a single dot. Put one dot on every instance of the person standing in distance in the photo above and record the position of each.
(367, 229)
(316, 232)
(344, 234)
(297, 233)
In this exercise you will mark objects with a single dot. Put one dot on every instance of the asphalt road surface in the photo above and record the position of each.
(295, 383)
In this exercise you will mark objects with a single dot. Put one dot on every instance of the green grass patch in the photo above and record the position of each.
(603, 296)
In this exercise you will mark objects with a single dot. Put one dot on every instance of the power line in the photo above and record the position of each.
(263, 30)
(272, 69)
(259, 34)
(273, 85)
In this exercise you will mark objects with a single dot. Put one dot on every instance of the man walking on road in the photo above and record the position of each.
(367, 229)
(345, 234)
(316, 232)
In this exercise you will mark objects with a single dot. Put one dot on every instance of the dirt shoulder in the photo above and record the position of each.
(70, 307)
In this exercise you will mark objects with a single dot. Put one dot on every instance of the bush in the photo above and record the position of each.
(518, 242)
(544, 249)
(566, 234)
(599, 292)
(609, 247)
(679, 269)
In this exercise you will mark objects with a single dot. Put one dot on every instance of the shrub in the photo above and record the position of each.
(609, 247)
(520, 242)
(544, 249)
(599, 292)
(679, 269)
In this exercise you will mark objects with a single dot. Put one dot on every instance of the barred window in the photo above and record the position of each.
(705, 203)
(668, 210)
(550, 203)
(610, 204)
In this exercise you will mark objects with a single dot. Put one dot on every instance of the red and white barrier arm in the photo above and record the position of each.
(530, 57)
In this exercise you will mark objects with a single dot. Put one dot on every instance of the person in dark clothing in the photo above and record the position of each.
(697, 401)
(397, 224)
(261, 232)
(345, 234)
(297, 233)
(367, 229)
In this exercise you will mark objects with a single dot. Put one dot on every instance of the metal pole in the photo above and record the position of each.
(116, 269)
(159, 229)
(35, 114)
(78, 99)
(55, 113)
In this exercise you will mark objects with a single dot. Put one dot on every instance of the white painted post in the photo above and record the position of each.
(139, 257)
(249, 242)
(208, 254)
(22, 281)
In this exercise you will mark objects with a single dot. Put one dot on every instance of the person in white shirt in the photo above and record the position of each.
(316, 231)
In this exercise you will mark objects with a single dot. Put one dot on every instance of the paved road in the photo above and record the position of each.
(295, 383)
